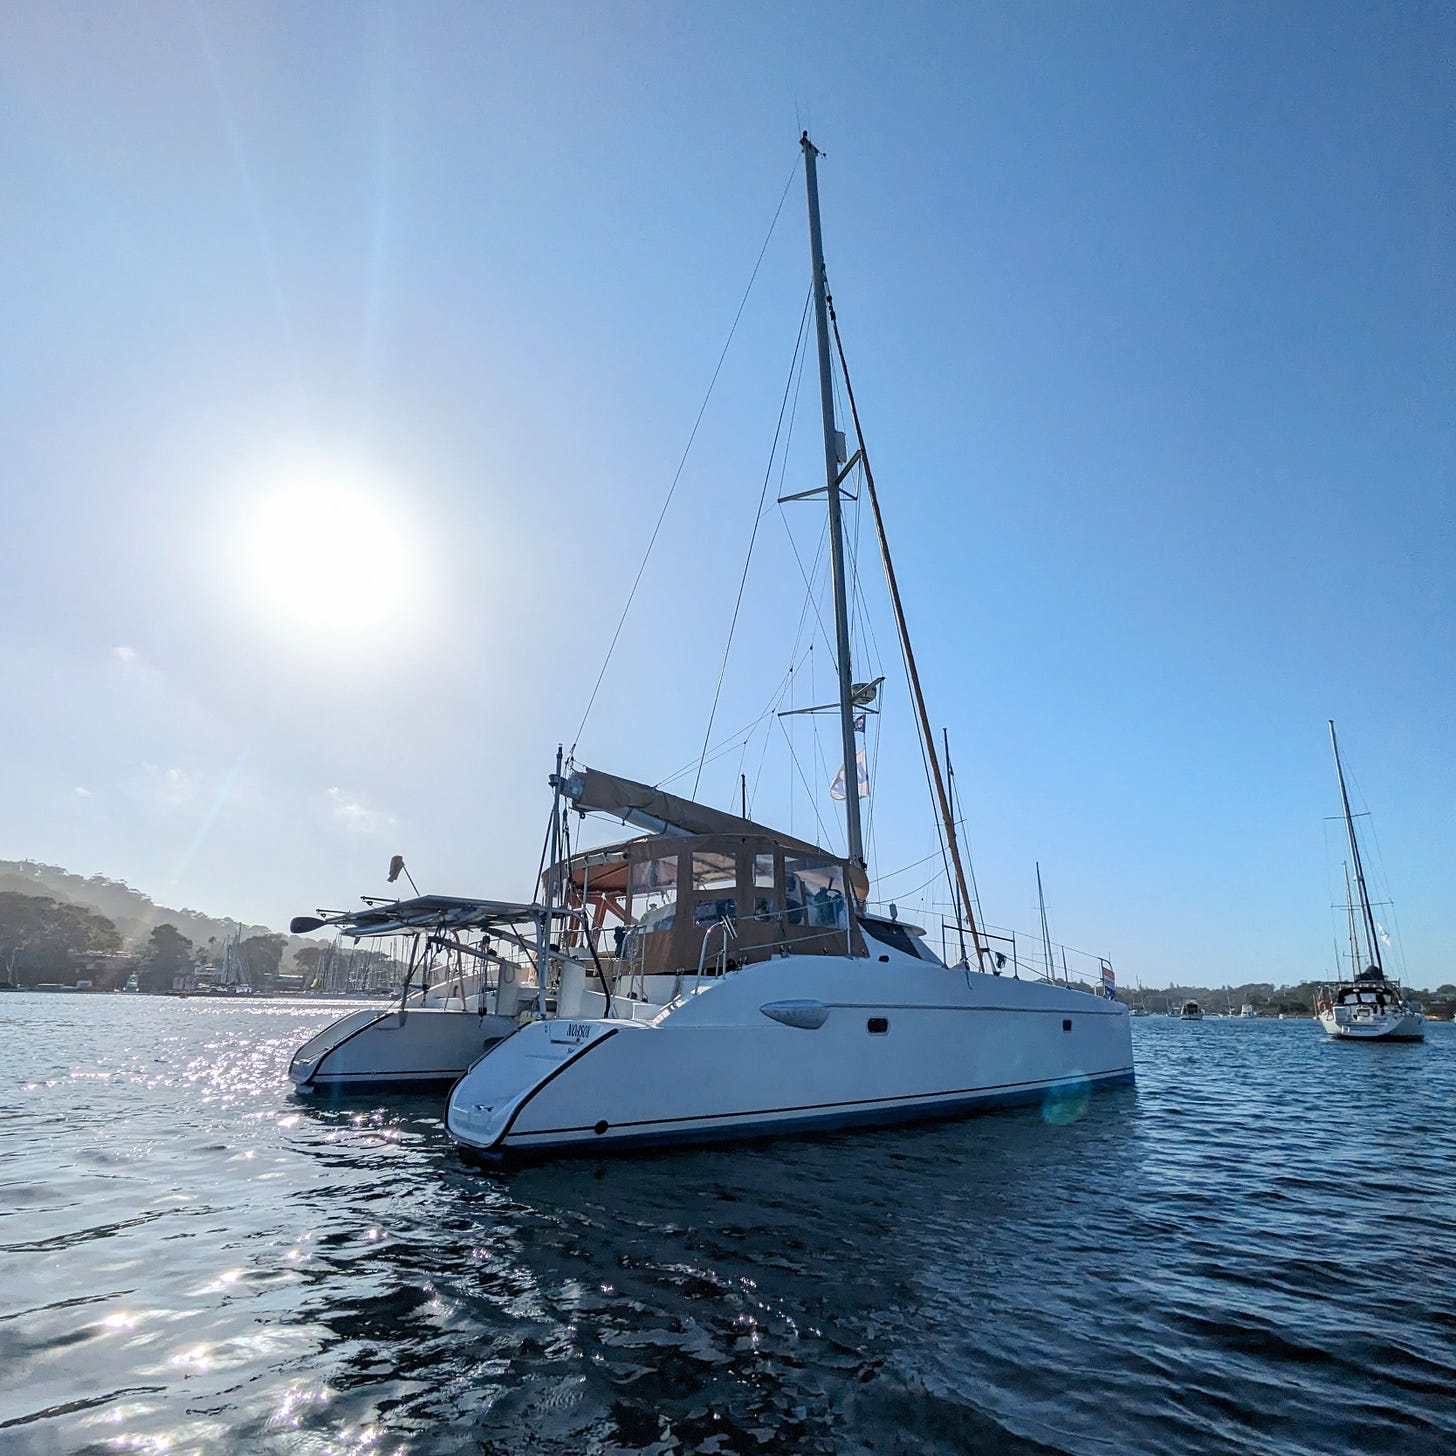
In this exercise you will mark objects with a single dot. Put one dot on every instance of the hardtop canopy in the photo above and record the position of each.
(424, 912)
(666, 816)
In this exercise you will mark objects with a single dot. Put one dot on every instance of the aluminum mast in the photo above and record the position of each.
(836, 531)
(1371, 936)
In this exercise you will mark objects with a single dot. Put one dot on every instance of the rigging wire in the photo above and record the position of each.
(721, 749)
(809, 577)
(677, 474)
(725, 743)
(959, 821)
(927, 746)
(1382, 884)
(874, 656)
(913, 865)
(753, 536)
(545, 850)
(810, 598)
(813, 800)
(910, 894)
(874, 776)
(748, 740)
(787, 691)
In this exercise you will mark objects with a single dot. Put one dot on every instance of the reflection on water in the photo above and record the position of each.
(1248, 1252)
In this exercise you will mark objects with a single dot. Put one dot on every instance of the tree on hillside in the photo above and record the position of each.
(167, 955)
(39, 935)
(261, 956)
(307, 958)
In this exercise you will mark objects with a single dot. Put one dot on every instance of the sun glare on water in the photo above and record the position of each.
(330, 559)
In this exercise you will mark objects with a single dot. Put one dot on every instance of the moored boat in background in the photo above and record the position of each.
(1369, 1006)
(471, 976)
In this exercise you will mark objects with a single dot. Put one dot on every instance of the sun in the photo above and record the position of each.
(329, 556)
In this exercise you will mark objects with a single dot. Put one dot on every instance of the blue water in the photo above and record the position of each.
(1251, 1251)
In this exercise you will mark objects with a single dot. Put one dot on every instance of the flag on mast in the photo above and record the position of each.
(861, 763)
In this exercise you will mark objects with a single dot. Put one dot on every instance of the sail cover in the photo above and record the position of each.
(659, 812)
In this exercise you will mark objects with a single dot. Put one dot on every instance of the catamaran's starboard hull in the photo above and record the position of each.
(1055, 1096)
(425, 1050)
(1406, 1026)
(909, 1044)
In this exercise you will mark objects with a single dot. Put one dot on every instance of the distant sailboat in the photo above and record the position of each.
(1368, 1007)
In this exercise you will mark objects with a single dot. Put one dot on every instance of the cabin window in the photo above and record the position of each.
(813, 892)
(763, 908)
(714, 871)
(710, 911)
(877, 1025)
(654, 893)
(650, 875)
(891, 934)
(763, 872)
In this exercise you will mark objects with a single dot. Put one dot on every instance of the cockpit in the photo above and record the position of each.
(667, 903)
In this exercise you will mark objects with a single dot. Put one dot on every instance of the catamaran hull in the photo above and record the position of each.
(1407, 1026)
(425, 1050)
(762, 1063)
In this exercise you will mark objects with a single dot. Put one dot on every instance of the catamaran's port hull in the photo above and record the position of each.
(425, 1050)
(721, 1065)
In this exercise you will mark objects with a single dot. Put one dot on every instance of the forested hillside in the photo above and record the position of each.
(133, 914)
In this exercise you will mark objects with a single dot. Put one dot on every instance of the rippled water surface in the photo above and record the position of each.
(1251, 1251)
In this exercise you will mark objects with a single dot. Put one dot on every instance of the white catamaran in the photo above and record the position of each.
(714, 978)
(471, 976)
(1369, 1006)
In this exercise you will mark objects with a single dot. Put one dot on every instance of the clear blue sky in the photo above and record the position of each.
(347, 354)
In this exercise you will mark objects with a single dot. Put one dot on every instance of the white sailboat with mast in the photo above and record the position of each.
(749, 990)
(1369, 1006)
